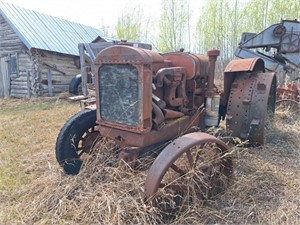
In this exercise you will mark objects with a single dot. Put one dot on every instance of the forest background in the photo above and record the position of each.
(218, 24)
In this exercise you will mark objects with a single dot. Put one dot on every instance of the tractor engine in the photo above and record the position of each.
(144, 98)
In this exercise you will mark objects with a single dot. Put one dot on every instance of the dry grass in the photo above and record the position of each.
(33, 189)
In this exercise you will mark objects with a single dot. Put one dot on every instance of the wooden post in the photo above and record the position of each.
(83, 70)
(4, 77)
(50, 86)
(28, 83)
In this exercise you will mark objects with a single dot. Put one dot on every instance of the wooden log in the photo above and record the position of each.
(50, 87)
(28, 84)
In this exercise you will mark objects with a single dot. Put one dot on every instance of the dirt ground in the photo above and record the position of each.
(34, 190)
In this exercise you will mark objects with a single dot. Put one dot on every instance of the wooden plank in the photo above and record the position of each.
(83, 70)
(50, 87)
(1, 85)
(4, 78)
(78, 97)
(54, 68)
(28, 84)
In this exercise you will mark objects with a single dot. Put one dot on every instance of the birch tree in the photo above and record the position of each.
(173, 26)
(129, 24)
(283, 9)
(216, 27)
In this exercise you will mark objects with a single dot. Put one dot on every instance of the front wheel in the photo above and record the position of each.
(196, 165)
(76, 138)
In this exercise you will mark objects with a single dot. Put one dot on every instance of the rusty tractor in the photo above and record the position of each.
(148, 102)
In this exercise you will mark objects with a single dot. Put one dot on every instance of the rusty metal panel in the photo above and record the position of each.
(169, 130)
(236, 66)
(251, 64)
(127, 54)
(195, 65)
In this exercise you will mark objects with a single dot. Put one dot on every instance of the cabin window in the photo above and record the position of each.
(13, 65)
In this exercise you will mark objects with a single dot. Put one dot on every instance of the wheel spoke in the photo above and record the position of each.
(197, 158)
(177, 169)
(190, 158)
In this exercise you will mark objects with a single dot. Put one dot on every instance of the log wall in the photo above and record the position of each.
(11, 44)
(59, 67)
(40, 73)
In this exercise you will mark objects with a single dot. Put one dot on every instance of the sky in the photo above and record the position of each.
(89, 12)
(95, 13)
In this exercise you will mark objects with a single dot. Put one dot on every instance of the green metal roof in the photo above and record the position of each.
(46, 32)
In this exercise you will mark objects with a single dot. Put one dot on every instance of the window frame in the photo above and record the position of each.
(14, 65)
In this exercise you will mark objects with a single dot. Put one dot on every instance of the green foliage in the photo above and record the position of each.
(129, 24)
(173, 25)
(221, 23)
(215, 27)
(218, 24)
(283, 9)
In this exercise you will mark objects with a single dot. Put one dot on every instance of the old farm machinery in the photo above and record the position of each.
(147, 102)
(279, 47)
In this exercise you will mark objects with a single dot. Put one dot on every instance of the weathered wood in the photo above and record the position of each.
(83, 71)
(9, 39)
(18, 94)
(28, 84)
(33, 78)
(11, 44)
(4, 78)
(78, 97)
(55, 68)
(16, 88)
(20, 79)
(50, 87)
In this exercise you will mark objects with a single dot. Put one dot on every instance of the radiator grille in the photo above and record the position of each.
(119, 99)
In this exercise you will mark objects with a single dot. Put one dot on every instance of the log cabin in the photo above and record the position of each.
(39, 53)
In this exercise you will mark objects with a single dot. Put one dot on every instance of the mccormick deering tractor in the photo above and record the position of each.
(148, 102)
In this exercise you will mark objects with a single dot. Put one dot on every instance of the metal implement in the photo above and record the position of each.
(278, 45)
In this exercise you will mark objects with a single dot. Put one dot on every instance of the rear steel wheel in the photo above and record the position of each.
(195, 165)
(251, 105)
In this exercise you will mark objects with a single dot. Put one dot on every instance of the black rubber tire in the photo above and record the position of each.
(74, 84)
(68, 140)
